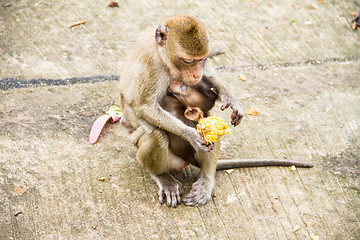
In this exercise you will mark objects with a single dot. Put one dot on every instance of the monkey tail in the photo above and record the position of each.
(241, 163)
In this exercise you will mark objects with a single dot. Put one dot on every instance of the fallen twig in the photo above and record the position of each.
(77, 23)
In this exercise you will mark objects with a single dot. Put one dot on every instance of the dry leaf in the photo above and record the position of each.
(293, 168)
(20, 190)
(296, 228)
(314, 237)
(229, 171)
(252, 111)
(113, 4)
(242, 77)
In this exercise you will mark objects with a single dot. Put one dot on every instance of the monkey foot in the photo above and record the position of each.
(170, 189)
(200, 192)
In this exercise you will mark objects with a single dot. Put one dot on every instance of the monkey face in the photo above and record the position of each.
(189, 96)
(190, 69)
(185, 40)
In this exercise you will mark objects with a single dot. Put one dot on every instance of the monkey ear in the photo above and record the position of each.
(193, 114)
(161, 34)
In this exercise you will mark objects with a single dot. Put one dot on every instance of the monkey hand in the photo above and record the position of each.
(238, 113)
(199, 143)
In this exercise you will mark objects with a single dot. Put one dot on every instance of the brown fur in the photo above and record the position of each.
(190, 33)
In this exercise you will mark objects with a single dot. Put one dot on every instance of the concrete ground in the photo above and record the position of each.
(301, 60)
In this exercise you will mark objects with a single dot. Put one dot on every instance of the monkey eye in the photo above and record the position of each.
(188, 61)
(184, 88)
(203, 59)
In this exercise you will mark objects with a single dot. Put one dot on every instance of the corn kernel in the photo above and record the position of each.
(212, 128)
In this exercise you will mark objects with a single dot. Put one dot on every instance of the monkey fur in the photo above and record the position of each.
(175, 51)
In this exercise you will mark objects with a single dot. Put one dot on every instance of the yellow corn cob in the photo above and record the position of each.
(212, 128)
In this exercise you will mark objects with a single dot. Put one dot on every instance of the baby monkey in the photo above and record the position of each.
(189, 104)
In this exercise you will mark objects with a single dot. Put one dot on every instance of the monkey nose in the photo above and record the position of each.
(196, 77)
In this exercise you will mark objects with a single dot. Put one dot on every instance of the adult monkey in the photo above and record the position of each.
(177, 50)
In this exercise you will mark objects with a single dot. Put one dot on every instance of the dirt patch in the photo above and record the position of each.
(347, 164)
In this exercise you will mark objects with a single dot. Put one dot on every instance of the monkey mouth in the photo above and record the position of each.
(191, 83)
